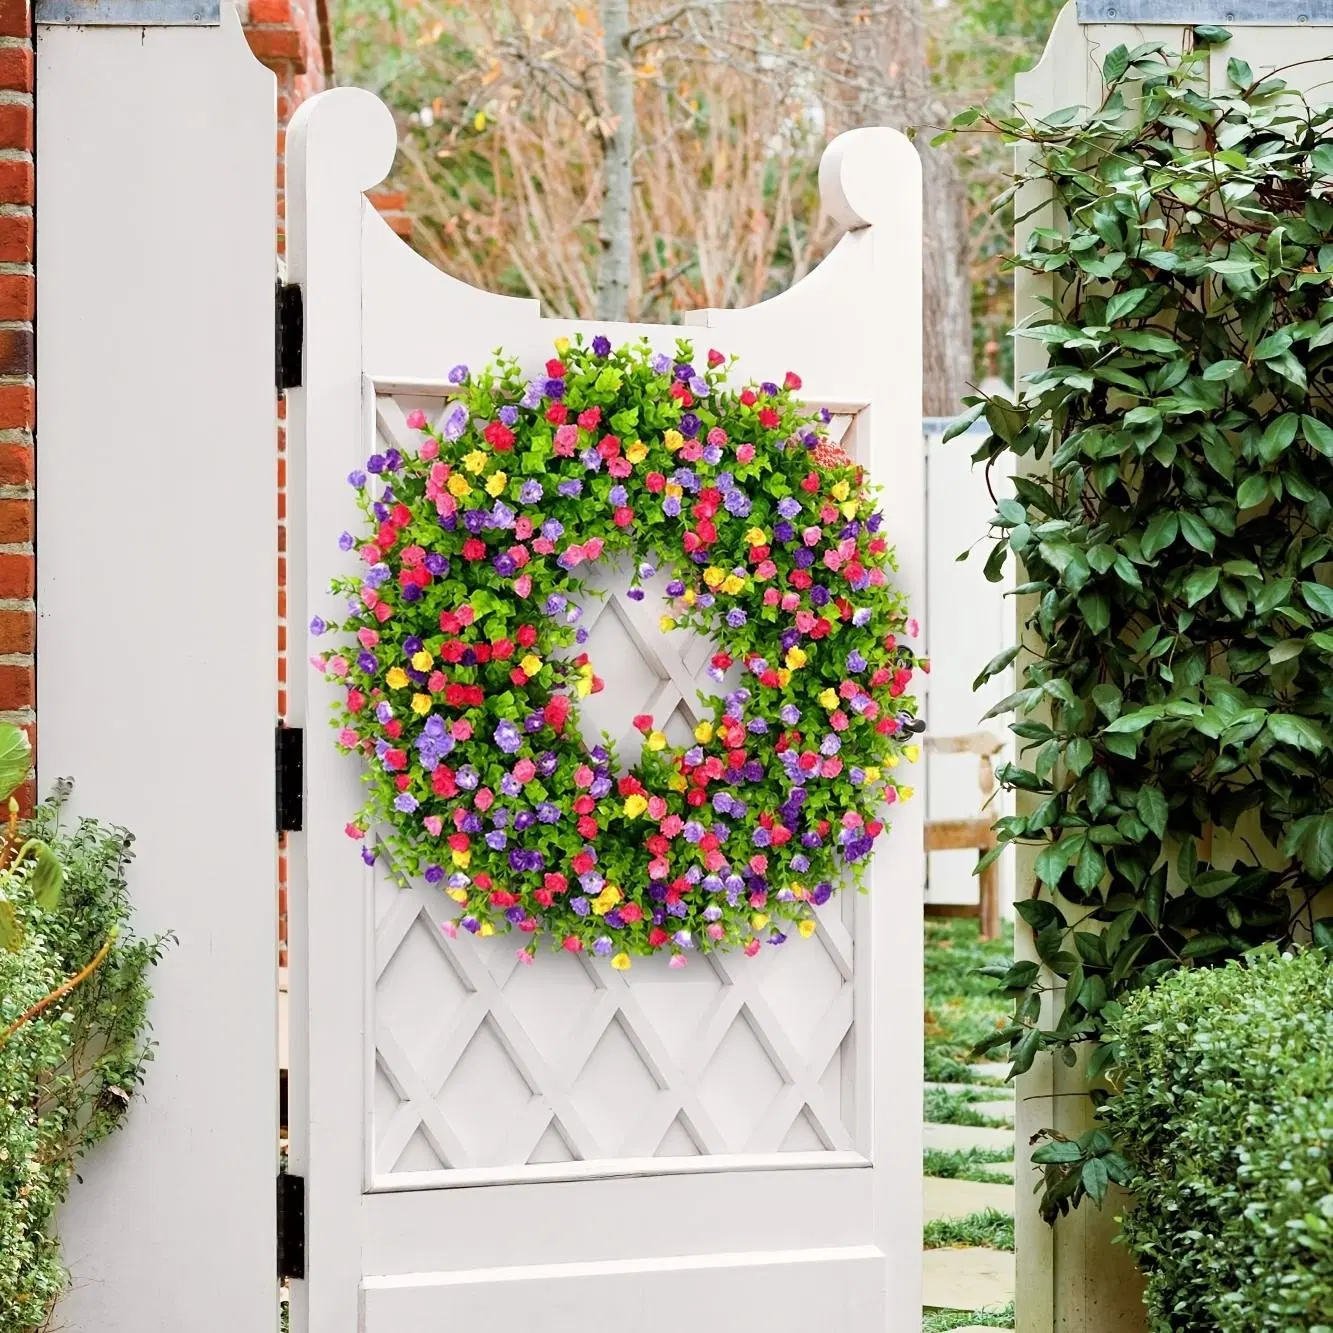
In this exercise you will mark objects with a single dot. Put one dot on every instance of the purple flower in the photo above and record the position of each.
(530, 492)
(699, 386)
(405, 802)
(509, 414)
(434, 874)
(555, 388)
(357, 479)
(532, 394)
(675, 588)
(580, 905)
(855, 662)
(413, 592)
(684, 372)
(368, 662)
(375, 463)
(769, 388)
(507, 737)
(617, 495)
(789, 507)
(346, 542)
(736, 617)
(689, 425)
(601, 345)
(671, 506)
(458, 374)
(570, 489)
(437, 563)
(455, 423)
(317, 626)
(819, 595)
(790, 714)
(861, 617)
(602, 946)
(737, 503)
(393, 460)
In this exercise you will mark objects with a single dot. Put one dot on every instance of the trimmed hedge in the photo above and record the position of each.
(1226, 1116)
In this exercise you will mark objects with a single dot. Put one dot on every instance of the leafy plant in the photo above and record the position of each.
(1174, 527)
(74, 1053)
(969, 1164)
(989, 1228)
(1225, 1105)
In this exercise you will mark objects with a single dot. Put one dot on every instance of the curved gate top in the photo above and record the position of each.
(565, 1146)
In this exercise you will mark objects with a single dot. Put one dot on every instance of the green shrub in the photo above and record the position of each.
(67, 1073)
(1225, 1113)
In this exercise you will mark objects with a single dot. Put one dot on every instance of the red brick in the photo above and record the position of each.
(16, 240)
(18, 631)
(15, 125)
(15, 465)
(15, 522)
(16, 577)
(277, 44)
(16, 353)
(16, 296)
(388, 201)
(16, 406)
(16, 180)
(16, 68)
(270, 11)
(15, 18)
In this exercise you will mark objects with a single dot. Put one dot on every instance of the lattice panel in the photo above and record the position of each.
(482, 1062)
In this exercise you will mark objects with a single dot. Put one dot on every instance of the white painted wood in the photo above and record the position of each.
(502, 1124)
(156, 644)
(1074, 1276)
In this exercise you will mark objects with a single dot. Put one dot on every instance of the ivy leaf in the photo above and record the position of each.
(15, 758)
(1208, 34)
(1151, 804)
(1115, 64)
(1096, 609)
(1123, 303)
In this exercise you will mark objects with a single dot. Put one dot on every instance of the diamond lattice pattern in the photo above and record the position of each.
(480, 1061)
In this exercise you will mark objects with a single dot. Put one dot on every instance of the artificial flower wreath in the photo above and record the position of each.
(460, 689)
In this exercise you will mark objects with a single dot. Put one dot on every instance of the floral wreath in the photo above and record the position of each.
(459, 688)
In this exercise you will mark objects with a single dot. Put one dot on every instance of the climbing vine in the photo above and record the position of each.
(1172, 525)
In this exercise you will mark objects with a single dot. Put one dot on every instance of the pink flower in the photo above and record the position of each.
(831, 767)
(574, 555)
(484, 799)
(523, 527)
(671, 826)
(338, 666)
(832, 560)
(566, 440)
(692, 452)
(434, 825)
(677, 960)
(347, 737)
(383, 611)
(751, 948)
(435, 682)
(656, 807)
(525, 770)
(759, 863)
(772, 596)
(367, 637)
(461, 729)
(811, 535)
(766, 569)
(913, 629)
(838, 721)
(594, 547)
(717, 436)
(523, 955)
(466, 615)
(715, 931)
(450, 929)
(828, 514)
(790, 601)
(523, 584)
(429, 449)
(416, 419)
(620, 466)
(745, 453)
(805, 621)
(354, 831)
(543, 545)
(583, 776)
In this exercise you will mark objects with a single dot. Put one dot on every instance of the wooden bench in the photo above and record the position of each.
(947, 835)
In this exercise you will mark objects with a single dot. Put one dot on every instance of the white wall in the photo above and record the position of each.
(155, 657)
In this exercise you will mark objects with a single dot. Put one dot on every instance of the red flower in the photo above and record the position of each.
(769, 678)
(518, 676)
(499, 436)
(695, 797)
(572, 943)
(657, 937)
(554, 882)
(544, 897)
(629, 785)
(768, 418)
(715, 358)
(748, 397)
(584, 805)
(474, 549)
(556, 712)
(526, 636)
(810, 482)
(631, 912)
(502, 650)
(722, 660)
(590, 418)
(458, 842)
(655, 482)
(555, 369)
(482, 651)
(609, 446)
(393, 729)
(557, 414)
(643, 722)
(583, 862)
(587, 827)
(623, 516)
(791, 380)
(394, 759)
(442, 782)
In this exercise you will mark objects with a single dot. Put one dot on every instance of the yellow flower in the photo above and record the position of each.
(807, 927)
(496, 482)
(562, 345)
(421, 703)
(635, 805)
(703, 733)
(893, 760)
(759, 920)
(583, 687)
(396, 678)
(829, 698)
(732, 584)
(621, 962)
(531, 664)
(872, 773)
(475, 461)
(756, 537)
(656, 741)
(840, 490)
(673, 439)
(784, 677)
(913, 753)
(666, 624)
(458, 895)
(849, 509)
(486, 929)
(713, 576)
(796, 657)
(637, 452)
(689, 596)
(458, 485)
(677, 782)
(673, 488)
(462, 859)
(423, 661)
(606, 900)
(906, 793)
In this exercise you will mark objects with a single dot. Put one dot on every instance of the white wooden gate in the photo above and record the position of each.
(490, 1146)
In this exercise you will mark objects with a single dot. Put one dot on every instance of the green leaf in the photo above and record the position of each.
(995, 666)
(1095, 1178)
(1151, 804)
(1203, 945)
(1115, 64)
(1252, 491)
(1285, 651)
(1321, 159)
(1239, 73)
(1161, 532)
(1302, 732)
(1278, 437)
(961, 424)
(11, 932)
(1197, 533)
(15, 758)
(1123, 303)
(1221, 370)
(1209, 34)
(1096, 609)
(47, 877)
(1317, 435)
(1199, 584)
(1318, 598)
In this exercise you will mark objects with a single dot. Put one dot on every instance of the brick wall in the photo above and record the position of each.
(18, 618)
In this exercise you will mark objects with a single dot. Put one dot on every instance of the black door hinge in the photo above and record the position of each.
(289, 334)
(290, 777)
(291, 1226)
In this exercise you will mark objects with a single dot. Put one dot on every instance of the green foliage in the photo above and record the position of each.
(955, 1108)
(960, 1002)
(944, 1321)
(1226, 1108)
(990, 1228)
(1174, 527)
(68, 1075)
(968, 1165)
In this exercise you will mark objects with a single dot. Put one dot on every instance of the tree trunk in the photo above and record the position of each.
(616, 233)
(889, 51)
